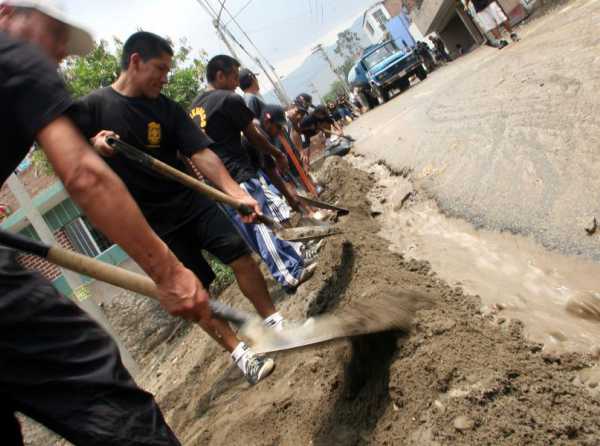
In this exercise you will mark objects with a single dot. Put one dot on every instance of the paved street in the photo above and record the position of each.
(508, 139)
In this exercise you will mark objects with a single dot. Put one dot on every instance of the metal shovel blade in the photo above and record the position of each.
(307, 233)
(322, 205)
(389, 314)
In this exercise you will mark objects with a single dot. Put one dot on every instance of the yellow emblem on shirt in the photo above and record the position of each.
(154, 134)
(199, 113)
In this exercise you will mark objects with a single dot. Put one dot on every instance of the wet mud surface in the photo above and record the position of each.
(460, 375)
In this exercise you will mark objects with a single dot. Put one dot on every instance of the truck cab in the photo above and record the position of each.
(388, 67)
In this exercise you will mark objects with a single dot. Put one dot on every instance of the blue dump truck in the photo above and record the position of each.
(387, 68)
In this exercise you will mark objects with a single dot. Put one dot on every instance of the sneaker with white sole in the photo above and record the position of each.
(309, 271)
(258, 368)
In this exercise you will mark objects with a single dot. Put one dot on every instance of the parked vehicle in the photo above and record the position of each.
(359, 83)
(388, 67)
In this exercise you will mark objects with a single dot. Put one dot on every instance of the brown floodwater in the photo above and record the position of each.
(515, 276)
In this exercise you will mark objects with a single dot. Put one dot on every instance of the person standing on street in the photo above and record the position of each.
(492, 17)
(57, 365)
(134, 110)
(275, 186)
(224, 116)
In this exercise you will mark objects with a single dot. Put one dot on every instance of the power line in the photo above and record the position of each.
(240, 11)
(261, 55)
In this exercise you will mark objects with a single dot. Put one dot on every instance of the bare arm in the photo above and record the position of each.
(212, 168)
(105, 200)
(258, 140)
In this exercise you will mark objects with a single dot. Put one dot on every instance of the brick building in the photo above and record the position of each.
(70, 227)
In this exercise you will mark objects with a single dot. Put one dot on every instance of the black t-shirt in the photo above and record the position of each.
(223, 115)
(255, 104)
(32, 95)
(159, 127)
(309, 126)
(480, 5)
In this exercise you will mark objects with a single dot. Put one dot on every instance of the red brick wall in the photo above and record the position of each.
(33, 184)
(48, 270)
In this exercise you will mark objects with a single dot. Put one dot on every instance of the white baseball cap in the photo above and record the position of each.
(80, 41)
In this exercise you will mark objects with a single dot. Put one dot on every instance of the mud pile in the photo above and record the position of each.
(459, 377)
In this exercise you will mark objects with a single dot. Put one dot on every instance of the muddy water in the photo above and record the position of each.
(515, 277)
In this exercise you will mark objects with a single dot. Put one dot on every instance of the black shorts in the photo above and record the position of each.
(59, 367)
(212, 231)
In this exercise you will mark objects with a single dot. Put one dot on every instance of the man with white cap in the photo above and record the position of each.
(56, 364)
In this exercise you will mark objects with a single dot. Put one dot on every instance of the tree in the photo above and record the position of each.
(335, 89)
(348, 45)
(101, 68)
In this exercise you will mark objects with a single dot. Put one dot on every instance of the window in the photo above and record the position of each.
(381, 18)
(370, 28)
(380, 54)
(85, 238)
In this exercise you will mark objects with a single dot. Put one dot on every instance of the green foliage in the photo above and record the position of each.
(40, 162)
(98, 69)
(186, 78)
(224, 275)
(102, 66)
(336, 88)
(348, 45)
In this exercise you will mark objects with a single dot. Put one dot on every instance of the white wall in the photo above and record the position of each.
(378, 34)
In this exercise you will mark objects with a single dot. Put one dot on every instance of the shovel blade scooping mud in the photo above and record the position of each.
(322, 205)
(393, 312)
(308, 233)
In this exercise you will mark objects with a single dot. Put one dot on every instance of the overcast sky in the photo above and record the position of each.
(283, 30)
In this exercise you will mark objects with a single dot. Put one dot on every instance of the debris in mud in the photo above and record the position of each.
(463, 423)
(592, 230)
(585, 305)
(381, 389)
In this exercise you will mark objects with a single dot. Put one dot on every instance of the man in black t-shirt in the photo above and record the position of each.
(275, 185)
(224, 116)
(57, 365)
(249, 85)
(134, 109)
(317, 121)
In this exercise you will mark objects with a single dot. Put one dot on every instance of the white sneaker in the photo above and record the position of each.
(253, 366)
(258, 368)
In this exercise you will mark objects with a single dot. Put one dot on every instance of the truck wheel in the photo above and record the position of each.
(404, 84)
(382, 95)
(421, 73)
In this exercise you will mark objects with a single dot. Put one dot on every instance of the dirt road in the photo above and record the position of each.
(508, 139)
(466, 374)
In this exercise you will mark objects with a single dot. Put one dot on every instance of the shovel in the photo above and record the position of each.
(142, 158)
(322, 205)
(391, 313)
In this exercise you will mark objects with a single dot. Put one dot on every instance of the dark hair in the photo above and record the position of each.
(147, 45)
(223, 63)
(246, 81)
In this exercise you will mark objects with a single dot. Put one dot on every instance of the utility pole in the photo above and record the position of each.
(225, 35)
(319, 49)
(88, 305)
(316, 91)
(217, 27)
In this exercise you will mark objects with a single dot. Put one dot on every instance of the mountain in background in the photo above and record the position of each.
(315, 69)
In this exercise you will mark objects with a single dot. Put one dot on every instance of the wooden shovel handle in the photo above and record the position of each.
(105, 272)
(164, 169)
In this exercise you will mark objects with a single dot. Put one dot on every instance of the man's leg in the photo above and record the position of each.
(207, 232)
(220, 238)
(60, 368)
(283, 259)
(252, 283)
